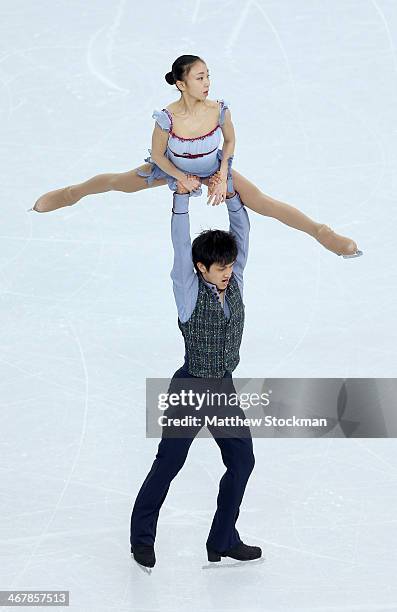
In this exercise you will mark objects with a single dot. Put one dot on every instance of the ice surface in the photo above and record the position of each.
(87, 307)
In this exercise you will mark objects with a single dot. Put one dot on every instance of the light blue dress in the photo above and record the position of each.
(200, 156)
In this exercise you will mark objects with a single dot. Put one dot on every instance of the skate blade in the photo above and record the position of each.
(230, 562)
(356, 254)
(143, 568)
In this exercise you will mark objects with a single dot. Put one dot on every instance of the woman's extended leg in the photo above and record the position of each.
(265, 205)
(128, 182)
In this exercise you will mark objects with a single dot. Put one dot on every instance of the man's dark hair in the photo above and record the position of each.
(214, 246)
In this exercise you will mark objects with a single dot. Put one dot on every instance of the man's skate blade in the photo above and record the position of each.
(356, 254)
(143, 568)
(229, 562)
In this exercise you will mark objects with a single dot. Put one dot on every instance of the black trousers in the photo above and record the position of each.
(237, 455)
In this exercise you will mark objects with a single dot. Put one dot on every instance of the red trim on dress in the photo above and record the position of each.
(189, 155)
(198, 137)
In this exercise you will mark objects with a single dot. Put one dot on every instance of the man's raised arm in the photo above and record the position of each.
(240, 228)
(184, 277)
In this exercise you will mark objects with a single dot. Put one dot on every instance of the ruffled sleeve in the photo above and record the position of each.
(162, 119)
(224, 106)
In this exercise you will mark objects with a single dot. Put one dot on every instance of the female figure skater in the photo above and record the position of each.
(185, 154)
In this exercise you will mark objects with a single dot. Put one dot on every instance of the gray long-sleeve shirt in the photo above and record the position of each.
(183, 273)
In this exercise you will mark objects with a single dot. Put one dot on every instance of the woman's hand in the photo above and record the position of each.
(188, 184)
(217, 188)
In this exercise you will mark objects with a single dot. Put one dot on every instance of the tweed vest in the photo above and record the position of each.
(212, 342)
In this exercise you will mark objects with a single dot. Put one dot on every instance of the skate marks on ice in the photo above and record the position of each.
(103, 40)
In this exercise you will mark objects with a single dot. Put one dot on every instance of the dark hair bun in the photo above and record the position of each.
(169, 78)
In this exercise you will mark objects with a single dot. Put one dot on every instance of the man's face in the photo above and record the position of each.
(218, 274)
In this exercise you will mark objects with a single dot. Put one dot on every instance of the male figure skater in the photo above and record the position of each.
(208, 288)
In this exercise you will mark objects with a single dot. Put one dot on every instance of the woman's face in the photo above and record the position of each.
(197, 82)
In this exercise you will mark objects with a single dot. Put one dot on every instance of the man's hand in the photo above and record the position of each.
(188, 184)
